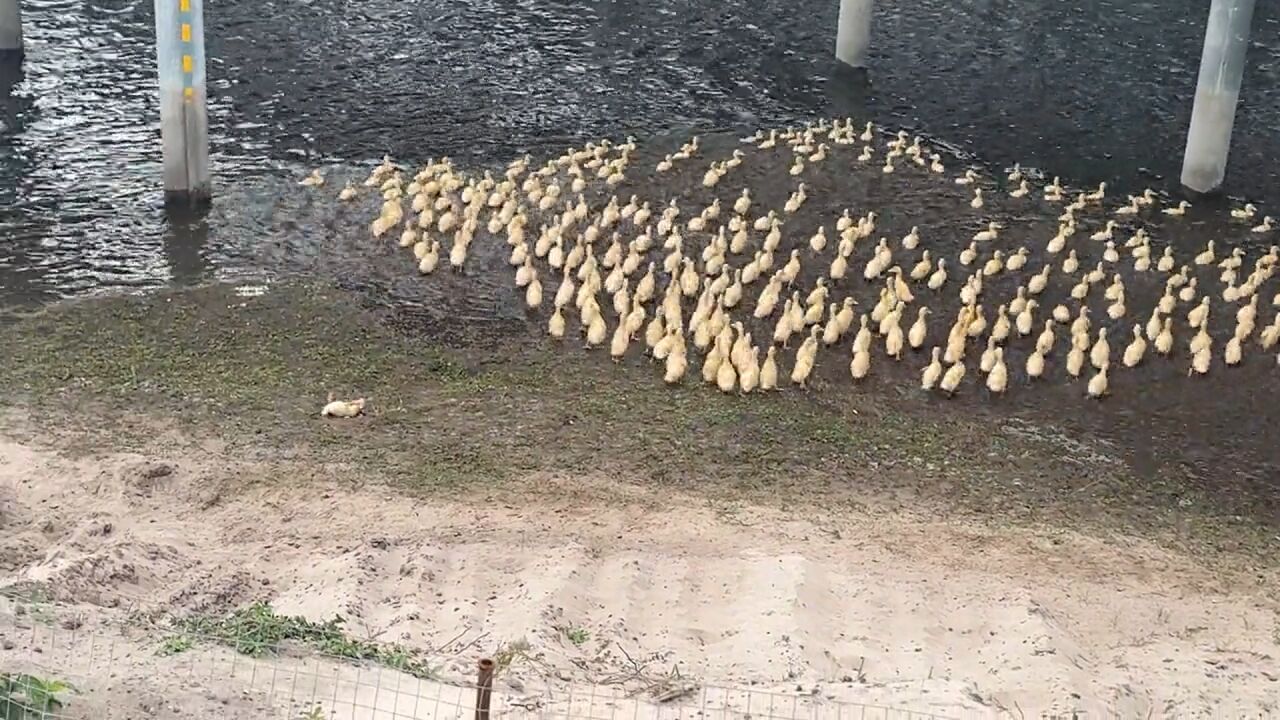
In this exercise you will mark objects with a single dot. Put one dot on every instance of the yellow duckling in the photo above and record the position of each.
(1207, 256)
(933, 371)
(1022, 190)
(1199, 314)
(919, 329)
(969, 254)
(990, 233)
(676, 365)
(951, 380)
(998, 378)
(315, 179)
(430, 259)
(343, 408)
(939, 276)
(1097, 387)
(1233, 352)
(860, 365)
(911, 240)
(1164, 340)
(1100, 354)
(1071, 264)
(1268, 224)
(1200, 362)
(1245, 213)
(1178, 211)
(1136, 350)
(805, 358)
(1106, 233)
(976, 203)
(993, 265)
(348, 193)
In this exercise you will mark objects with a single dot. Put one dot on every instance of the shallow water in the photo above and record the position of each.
(1091, 90)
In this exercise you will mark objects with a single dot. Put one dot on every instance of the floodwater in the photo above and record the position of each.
(1090, 90)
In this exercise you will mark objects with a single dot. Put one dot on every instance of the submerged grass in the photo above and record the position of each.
(255, 371)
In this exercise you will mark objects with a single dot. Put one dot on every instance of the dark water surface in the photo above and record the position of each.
(1091, 90)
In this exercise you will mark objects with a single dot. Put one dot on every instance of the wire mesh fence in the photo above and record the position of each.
(58, 663)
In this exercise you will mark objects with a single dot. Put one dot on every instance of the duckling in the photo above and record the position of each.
(533, 293)
(1268, 224)
(1039, 281)
(1100, 353)
(343, 408)
(969, 254)
(1017, 260)
(1233, 352)
(1164, 340)
(933, 371)
(993, 265)
(1199, 314)
(1200, 362)
(935, 164)
(1106, 233)
(1207, 256)
(1245, 213)
(991, 233)
(976, 203)
(430, 259)
(1058, 242)
(998, 378)
(1071, 264)
(1044, 343)
(315, 179)
(1075, 360)
(968, 178)
(951, 380)
(916, 336)
(912, 239)
(1021, 191)
(676, 364)
(939, 276)
(1097, 387)
(900, 286)
(1178, 211)
(818, 242)
(865, 155)
(1188, 291)
(921, 269)
(1025, 319)
(1109, 254)
(860, 365)
(805, 358)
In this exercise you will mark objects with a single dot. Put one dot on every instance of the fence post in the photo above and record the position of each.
(184, 122)
(853, 32)
(484, 689)
(1226, 37)
(10, 31)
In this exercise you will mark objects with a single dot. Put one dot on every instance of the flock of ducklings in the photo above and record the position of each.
(682, 280)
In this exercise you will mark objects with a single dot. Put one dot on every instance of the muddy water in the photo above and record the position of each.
(1092, 90)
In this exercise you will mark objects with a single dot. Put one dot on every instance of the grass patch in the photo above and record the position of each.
(257, 630)
(30, 697)
(479, 417)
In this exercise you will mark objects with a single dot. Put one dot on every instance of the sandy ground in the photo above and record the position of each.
(838, 605)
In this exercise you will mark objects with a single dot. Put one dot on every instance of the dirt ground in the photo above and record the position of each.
(162, 457)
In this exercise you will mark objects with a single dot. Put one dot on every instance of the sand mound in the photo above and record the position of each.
(884, 610)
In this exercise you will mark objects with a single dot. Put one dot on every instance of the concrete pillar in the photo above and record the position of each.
(853, 32)
(184, 123)
(1204, 165)
(10, 31)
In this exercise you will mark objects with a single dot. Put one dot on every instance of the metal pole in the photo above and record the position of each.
(1226, 37)
(10, 31)
(184, 123)
(853, 32)
(484, 688)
